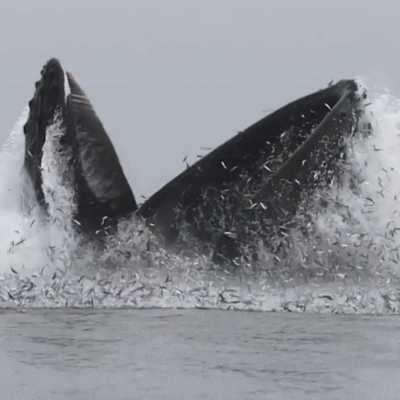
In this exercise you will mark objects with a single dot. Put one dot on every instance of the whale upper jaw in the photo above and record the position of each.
(101, 189)
(48, 99)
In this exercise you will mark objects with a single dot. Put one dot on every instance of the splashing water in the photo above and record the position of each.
(19, 242)
(345, 258)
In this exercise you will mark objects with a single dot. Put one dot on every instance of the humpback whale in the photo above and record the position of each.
(260, 175)
(101, 191)
(247, 187)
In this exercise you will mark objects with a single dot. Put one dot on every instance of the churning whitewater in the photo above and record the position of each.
(343, 258)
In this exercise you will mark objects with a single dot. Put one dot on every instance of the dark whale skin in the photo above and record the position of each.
(279, 155)
(101, 190)
(103, 193)
(48, 98)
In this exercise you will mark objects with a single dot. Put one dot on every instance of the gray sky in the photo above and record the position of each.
(167, 77)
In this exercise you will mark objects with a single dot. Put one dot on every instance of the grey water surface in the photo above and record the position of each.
(195, 354)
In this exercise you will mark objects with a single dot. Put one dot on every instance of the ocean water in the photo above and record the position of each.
(133, 321)
(197, 354)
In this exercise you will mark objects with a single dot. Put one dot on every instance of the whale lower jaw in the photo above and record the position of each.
(255, 182)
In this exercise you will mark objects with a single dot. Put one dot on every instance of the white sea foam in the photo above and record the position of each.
(348, 261)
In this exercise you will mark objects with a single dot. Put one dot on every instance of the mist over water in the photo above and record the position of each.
(343, 259)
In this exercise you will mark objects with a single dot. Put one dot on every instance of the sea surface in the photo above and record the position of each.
(316, 319)
(196, 354)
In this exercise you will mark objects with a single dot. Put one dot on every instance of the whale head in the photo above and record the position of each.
(101, 190)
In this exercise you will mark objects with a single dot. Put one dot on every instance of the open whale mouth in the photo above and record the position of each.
(101, 191)
(254, 181)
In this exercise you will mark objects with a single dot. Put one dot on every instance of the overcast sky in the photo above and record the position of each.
(167, 77)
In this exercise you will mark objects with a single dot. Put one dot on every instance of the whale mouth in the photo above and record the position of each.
(249, 187)
(101, 188)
